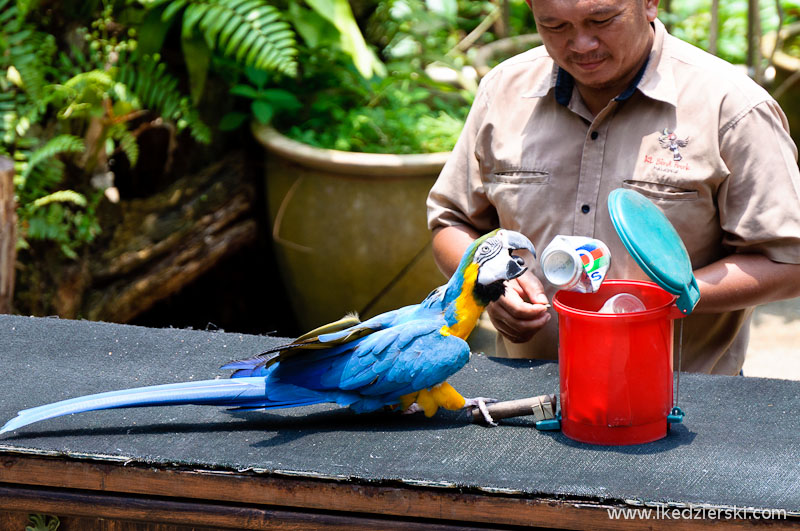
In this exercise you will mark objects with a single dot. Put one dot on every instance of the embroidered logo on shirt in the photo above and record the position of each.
(669, 140)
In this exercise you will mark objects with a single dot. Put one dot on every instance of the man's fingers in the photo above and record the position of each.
(517, 308)
(532, 289)
(514, 329)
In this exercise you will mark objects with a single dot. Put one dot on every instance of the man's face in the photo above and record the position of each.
(601, 43)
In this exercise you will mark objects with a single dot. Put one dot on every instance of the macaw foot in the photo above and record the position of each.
(413, 408)
(443, 395)
(480, 403)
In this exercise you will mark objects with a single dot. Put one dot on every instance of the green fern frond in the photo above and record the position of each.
(29, 52)
(172, 9)
(250, 31)
(93, 78)
(26, 6)
(61, 196)
(55, 146)
(8, 118)
(147, 79)
(8, 11)
(75, 61)
(191, 120)
(126, 142)
(41, 180)
(17, 121)
(80, 95)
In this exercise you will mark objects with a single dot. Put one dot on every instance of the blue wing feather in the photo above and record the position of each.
(382, 366)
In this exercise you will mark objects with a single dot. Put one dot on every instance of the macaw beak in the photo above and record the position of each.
(514, 241)
(503, 265)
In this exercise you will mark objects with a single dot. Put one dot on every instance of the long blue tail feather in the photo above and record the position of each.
(222, 392)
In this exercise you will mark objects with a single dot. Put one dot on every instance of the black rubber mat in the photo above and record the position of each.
(739, 445)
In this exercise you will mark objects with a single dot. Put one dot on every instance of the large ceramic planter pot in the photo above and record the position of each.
(786, 66)
(349, 229)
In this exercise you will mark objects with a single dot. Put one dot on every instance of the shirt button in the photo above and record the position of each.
(594, 135)
(585, 209)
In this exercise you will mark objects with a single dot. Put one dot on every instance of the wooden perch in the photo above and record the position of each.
(541, 407)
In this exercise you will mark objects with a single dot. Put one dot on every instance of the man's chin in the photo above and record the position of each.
(594, 80)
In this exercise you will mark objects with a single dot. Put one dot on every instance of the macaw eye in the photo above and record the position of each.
(487, 250)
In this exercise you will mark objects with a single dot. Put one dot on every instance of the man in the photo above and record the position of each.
(611, 100)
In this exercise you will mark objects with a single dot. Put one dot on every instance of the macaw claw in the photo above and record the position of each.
(480, 403)
(470, 404)
(413, 408)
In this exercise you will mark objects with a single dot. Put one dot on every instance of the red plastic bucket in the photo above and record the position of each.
(615, 369)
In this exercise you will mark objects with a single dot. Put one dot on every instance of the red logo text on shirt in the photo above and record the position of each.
(666, 165)
(668, 140)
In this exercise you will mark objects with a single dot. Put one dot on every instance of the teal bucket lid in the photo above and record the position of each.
(654, 243)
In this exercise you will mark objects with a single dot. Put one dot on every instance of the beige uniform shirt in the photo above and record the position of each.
(694, 134)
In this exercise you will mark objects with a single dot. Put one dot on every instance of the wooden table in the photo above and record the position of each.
(734, 460)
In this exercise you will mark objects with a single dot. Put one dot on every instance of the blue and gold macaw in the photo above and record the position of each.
(400, 358)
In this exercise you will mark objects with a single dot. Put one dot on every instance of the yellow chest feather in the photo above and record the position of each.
(467, 309)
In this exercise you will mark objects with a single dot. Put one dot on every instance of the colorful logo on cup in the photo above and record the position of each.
(593, 257)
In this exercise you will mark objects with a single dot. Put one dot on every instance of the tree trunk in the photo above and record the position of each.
(713, 31)
(8, 234)
(754, 40)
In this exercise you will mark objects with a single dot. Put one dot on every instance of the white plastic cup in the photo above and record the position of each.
(622, 303)
(576, 263)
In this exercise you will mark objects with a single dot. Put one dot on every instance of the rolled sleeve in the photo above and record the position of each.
(760, 201)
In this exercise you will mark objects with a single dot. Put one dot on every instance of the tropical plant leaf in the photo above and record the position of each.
(245, 91)
(152, 31)
(338, 12)
(198, 60)
(252, 32)
(263, 111)
(282, 99)
(232, 120)
(257, 77)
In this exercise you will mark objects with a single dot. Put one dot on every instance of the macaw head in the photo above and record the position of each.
(492, 255)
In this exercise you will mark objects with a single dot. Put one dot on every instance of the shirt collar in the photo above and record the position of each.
(544, 86)
(658, 81)
(655, 79)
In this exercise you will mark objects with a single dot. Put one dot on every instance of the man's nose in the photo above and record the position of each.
(584, 42)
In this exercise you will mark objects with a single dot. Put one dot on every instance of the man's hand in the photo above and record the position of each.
(522, 311)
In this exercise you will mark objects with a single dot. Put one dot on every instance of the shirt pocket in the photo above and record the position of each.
(661, 191)
(687, 210)
(518, 177)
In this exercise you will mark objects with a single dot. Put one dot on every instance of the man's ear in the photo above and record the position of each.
(651, 9)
